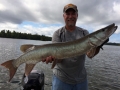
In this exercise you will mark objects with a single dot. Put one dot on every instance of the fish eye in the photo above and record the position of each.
(104, 29)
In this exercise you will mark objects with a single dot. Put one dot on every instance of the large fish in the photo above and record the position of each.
(36, 53)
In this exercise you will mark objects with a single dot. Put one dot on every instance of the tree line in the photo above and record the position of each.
(115, 44)
(19, 35)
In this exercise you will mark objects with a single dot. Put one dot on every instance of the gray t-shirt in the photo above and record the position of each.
(70, 70)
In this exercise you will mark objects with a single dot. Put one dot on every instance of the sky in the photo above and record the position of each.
(43, 17)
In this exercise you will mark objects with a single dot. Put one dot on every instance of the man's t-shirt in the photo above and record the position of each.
(70, 70)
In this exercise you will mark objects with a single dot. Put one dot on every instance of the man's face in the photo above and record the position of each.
(70, 17)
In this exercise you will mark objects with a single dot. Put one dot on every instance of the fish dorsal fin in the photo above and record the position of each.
(27, 47)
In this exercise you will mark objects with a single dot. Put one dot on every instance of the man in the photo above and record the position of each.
(70, 73)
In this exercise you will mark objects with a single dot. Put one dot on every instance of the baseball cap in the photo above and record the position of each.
(68, 6)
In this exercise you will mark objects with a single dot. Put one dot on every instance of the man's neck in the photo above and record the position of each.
(70, 28)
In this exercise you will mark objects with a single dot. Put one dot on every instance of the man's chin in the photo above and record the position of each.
(71, 25)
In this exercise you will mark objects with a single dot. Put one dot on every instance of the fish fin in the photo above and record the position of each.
(91, 52)
(28, 69)
(12, 69)
(94, 51)
(27, 47)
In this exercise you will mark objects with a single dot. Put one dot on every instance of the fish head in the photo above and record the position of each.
(106, 32)
(100, 36)
(109, 30)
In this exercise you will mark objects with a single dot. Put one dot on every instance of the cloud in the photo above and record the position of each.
(47, 30)
(93, 14)
(8, 26)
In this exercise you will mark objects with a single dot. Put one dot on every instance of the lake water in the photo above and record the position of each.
(103, 70)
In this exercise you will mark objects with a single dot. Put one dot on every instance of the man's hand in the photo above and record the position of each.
(52, 60)
(49, 59)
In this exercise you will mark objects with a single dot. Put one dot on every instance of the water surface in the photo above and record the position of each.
(103, 70)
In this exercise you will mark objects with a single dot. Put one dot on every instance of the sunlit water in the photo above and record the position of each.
(103, 70)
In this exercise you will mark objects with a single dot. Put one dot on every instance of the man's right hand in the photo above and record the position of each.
(49, 59)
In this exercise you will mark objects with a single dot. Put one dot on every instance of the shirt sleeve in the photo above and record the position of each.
(86, 32)
(56, 37)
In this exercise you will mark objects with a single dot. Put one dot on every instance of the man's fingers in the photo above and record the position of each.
(49, 59)
(43, 60)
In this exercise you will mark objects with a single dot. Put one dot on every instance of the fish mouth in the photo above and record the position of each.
(109, 30)
(112, 30)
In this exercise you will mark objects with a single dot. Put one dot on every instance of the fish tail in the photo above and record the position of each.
(10, 66)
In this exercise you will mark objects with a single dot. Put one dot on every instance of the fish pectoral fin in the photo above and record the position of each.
(10, 66)
(92, 52)
(28, 69)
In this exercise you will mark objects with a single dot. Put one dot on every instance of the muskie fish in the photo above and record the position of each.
(36, 53)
